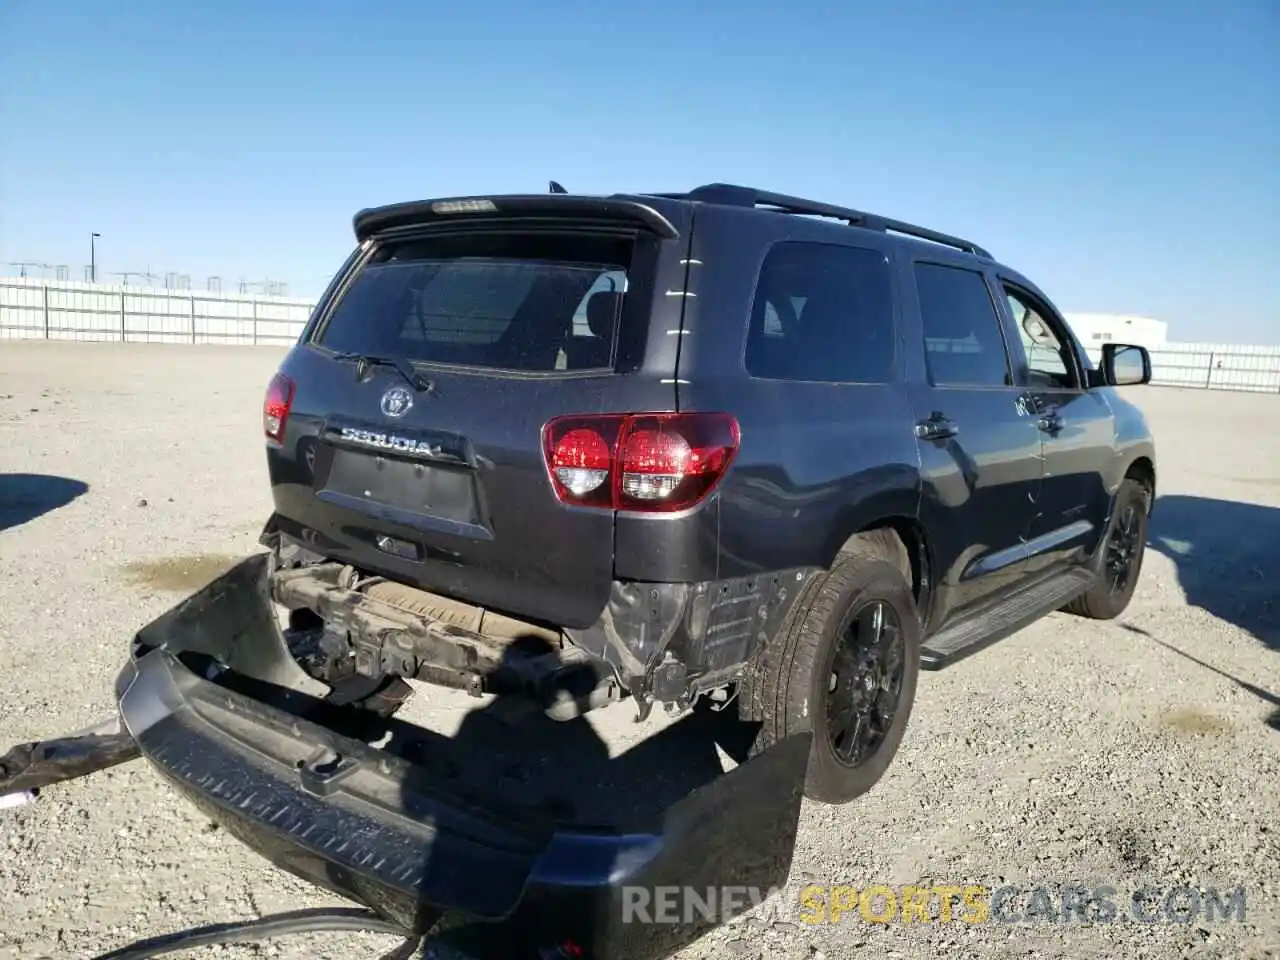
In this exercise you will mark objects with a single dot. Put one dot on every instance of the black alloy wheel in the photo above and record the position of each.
(1123, 548)
(865, 687)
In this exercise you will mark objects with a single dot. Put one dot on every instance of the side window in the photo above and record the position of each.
(963, 343)
(1047, 359)
(822, 312)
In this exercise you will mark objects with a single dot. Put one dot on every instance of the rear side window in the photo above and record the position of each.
(963, 343)
(528, 302)
(822, 312)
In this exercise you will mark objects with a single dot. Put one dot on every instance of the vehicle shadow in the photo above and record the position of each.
(26, 496)
(716, 829)
(1265, 696)
(1227, 555)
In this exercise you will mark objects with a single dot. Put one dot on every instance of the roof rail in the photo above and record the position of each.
(739, 196)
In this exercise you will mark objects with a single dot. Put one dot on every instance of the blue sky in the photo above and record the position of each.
(1125, 155)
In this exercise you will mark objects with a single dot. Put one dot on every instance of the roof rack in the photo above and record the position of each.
(738, 196)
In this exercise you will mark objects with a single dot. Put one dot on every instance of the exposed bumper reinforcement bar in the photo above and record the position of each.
(390, 630)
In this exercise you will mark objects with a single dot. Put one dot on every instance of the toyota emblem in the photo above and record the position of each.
(396, 402)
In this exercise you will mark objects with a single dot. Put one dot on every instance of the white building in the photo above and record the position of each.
(1095, 329)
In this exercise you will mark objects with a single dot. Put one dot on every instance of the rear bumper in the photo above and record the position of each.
(220, 710)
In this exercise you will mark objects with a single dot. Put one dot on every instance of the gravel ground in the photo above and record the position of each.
(1144, 752)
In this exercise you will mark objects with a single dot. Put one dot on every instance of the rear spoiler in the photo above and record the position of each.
(376, 219)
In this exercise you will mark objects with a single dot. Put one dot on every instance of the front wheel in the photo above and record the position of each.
(1120, 560)
(846, 671)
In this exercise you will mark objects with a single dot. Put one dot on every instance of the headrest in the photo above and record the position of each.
(601, 309)
(827, 317)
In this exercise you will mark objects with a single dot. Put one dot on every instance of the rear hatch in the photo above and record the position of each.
(413, 409)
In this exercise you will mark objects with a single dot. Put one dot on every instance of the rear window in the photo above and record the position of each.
(535, 303)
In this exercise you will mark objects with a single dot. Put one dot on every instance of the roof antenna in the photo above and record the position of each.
(556, 188)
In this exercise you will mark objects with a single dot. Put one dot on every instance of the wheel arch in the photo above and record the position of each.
(908, 534)
(1143, 470)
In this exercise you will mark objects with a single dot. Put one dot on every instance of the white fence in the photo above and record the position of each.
(67, 310)
(1217, 366)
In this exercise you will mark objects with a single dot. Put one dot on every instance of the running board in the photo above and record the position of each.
(959, 640)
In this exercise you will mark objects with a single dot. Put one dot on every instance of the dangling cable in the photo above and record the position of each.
(323, 920)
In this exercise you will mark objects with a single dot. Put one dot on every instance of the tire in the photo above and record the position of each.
(1122, 550)
(787, 689)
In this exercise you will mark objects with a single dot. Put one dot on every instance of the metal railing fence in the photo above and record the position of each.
(69, 310)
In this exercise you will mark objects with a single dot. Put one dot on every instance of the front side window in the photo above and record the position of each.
(822, 312)
(1046, 353)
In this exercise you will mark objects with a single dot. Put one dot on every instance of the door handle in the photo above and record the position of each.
(936, 427)
(1050, 423)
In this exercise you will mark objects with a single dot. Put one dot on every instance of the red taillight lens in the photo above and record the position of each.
(651, 462)
(580, 463)
(275, 408)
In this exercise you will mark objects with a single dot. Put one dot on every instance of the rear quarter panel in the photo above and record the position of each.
(818, 461)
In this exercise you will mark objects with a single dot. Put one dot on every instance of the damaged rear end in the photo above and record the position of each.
(478, 440)
(419, 826)
(483, 479)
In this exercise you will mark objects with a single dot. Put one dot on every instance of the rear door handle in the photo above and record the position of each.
(936, 427)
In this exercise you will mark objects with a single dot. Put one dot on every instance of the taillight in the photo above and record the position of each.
(580, 462)
(646, 462)
(275, 407)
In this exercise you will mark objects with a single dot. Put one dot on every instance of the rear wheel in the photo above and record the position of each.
(845, 669)
(1121, 560)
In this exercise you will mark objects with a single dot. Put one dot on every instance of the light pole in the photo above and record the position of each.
(93, 257)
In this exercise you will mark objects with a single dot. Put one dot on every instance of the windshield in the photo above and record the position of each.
(532, 303)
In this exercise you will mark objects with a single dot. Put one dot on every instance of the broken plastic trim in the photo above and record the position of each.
(43, 763)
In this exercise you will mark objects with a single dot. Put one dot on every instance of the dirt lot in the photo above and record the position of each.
(1144, 752)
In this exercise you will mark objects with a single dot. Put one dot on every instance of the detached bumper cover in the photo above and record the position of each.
(218, 707)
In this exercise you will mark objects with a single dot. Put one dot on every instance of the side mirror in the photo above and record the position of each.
(1125, 365)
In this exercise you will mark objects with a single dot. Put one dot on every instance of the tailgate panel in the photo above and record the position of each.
(489, 531)
(426, 464)
(427, 489)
